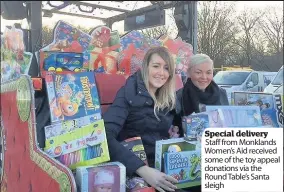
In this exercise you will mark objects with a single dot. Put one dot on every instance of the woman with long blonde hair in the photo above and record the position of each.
(145, 107)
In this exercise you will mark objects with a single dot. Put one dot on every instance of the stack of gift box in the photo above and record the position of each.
(77, 137)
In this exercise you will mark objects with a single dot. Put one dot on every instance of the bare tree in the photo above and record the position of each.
(216, 30)
(249, 39)
(235, 56)
(47, 35)
(272, 27)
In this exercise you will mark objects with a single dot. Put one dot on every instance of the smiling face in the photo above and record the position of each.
(201, 75)
(158, 72)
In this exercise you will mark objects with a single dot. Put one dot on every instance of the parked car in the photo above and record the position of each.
(254, 81)
(276, 82)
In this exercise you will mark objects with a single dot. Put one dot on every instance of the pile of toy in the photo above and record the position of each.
(76, 137)
(103, 52)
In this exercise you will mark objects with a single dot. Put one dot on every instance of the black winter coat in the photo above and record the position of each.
(223, 99)
(132, 115)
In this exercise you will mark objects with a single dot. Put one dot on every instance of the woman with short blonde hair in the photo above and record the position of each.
(200, 87)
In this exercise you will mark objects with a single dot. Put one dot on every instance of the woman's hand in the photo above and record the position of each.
(157, 179)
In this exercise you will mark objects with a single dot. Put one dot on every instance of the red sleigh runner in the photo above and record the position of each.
(25, 167)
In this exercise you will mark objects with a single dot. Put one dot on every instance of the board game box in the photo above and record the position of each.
(184, 166)
(109, 176)
(72, 96)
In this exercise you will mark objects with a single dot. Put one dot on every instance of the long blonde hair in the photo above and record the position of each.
(165, 96)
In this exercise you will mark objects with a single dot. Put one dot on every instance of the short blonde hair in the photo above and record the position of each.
(199, 59)
(165, 96)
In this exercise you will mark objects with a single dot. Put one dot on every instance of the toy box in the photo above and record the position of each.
(265, 102)
(171, 145)
(279, 106)
(108, 177)
(72, 96)
(184, 166)
(93, 154)
(88, 135)
(60, 62)
(195, 124)
(68, 126)
(234, 116)
(136, 146)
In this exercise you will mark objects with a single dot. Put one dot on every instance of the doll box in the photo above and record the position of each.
(184, 166)
(173, 145)
(109, 176)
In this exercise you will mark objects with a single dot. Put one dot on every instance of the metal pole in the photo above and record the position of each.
(195, 27)
(35, 23)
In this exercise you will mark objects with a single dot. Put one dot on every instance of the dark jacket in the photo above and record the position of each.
(223, 99)
(132, 115)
